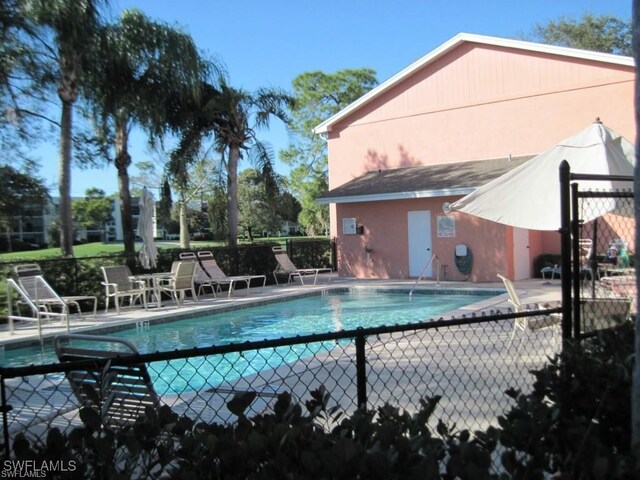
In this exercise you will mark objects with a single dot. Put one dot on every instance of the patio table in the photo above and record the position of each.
(153, 281)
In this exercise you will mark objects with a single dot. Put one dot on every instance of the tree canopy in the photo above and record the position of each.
(318, 96)
(21, 193)
(599, 33)
(94, 210)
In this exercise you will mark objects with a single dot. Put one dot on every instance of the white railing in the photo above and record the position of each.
(38, 313)
(434, 260)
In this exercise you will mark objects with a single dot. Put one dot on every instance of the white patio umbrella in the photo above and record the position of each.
(529, 196)
(148, 253)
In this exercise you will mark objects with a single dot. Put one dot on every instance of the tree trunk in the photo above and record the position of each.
(185, 241)
(64, 179)
(232, 194)
(123, 160)
(7, 233)
(635, 383)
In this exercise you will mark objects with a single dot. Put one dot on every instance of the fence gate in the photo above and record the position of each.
(597, 248)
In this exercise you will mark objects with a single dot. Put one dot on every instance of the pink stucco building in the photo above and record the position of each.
(463, 114)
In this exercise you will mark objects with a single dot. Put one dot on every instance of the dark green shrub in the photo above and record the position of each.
(581, 427)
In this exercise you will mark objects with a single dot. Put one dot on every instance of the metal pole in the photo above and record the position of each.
(361, 371)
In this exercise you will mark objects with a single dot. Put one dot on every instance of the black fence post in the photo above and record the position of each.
(5, 418)
(334, 254)
(565, 250)
(361, 371)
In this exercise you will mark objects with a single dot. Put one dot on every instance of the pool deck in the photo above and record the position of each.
(26, 333)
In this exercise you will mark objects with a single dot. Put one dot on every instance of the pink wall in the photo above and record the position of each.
(477, 102)
(386, 233)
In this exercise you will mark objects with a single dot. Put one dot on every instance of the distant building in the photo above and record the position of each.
(35, 225)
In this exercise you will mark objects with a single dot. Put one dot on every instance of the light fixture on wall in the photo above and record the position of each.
(446, 208)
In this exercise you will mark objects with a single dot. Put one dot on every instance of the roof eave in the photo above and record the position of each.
(396, 196)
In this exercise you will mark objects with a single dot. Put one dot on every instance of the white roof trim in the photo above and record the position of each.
(325, 126)
(396, 196)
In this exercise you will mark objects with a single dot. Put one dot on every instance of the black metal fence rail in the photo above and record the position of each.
(470, 362)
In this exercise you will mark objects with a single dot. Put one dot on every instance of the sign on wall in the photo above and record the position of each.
(446, 227)
(348, 226)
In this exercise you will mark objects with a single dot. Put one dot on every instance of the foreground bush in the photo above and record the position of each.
(574, 424)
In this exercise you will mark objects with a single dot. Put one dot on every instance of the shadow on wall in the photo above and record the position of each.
(377, 161)
(359, 257)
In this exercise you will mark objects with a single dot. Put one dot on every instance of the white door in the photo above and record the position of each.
(419, 242)
(521, 258)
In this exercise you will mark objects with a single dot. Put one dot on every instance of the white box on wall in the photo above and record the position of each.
(348, 226)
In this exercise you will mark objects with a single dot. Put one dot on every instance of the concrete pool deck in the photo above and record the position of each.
(26, 333)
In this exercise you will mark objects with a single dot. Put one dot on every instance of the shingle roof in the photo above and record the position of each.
(424, 181)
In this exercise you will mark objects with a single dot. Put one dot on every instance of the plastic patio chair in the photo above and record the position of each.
(120, 393)
(201, 278)
(527, 324)
(181, 280)
(286, 265)
(120, 283)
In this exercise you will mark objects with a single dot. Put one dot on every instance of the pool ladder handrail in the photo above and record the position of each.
(435, 260)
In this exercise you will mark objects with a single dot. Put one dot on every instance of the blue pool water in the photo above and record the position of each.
(302, 316)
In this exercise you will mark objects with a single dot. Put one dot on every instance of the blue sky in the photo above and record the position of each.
(267, 43)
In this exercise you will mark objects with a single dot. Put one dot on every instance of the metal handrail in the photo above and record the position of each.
(431, 260)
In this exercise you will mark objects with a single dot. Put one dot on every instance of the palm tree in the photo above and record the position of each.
(73, 25)
(238, 114)
(146, 68)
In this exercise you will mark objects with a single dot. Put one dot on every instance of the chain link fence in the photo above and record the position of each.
(602, 254)
(470, 362)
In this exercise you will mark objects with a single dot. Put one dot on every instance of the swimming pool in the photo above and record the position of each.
(332, 311)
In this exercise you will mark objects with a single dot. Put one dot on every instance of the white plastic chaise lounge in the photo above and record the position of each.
(215, 274)
(528, 324)
(33, 283)
(285, 265)
(121, 393)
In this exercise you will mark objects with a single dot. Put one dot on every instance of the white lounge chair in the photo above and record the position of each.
(528, 324)
(215, 274)
(285, 265)
(33, 283)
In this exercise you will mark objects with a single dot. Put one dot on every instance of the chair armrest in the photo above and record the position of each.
(110, 286)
